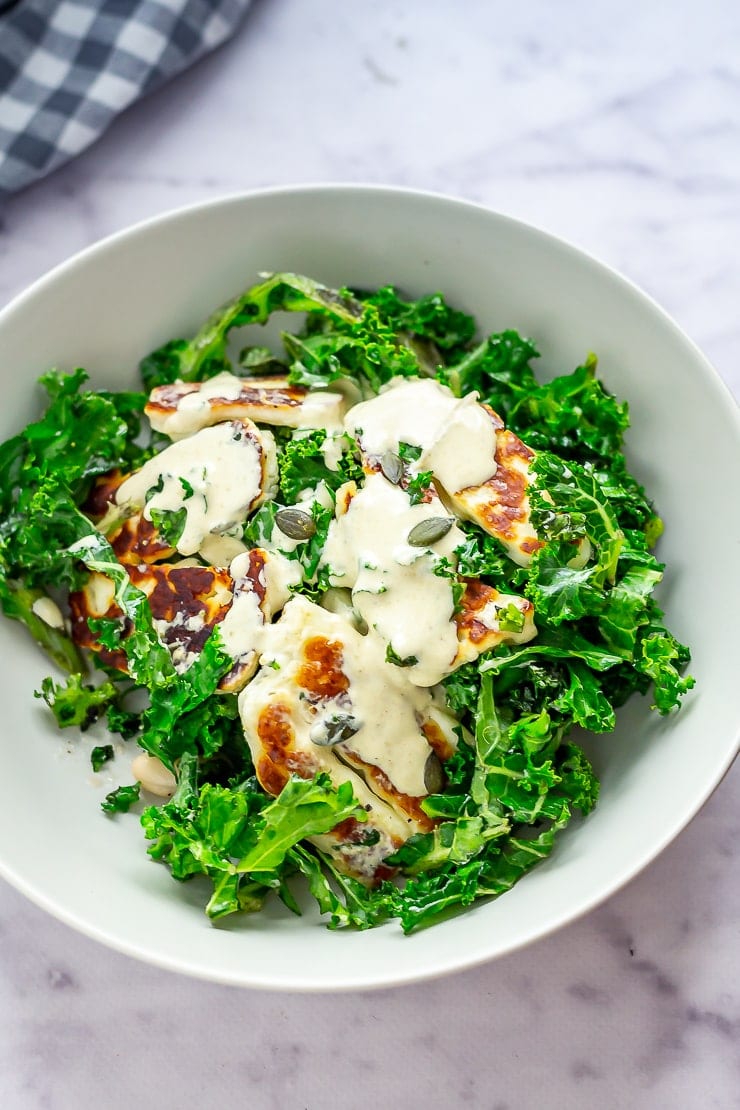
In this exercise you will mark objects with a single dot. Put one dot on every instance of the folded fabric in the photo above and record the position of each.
(68, 68)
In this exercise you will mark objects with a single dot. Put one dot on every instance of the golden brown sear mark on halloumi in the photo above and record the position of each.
(381, 785)
(280, 756)
(138, 541)
(135, 539)
(268, 393)
(321, 674)
(501, 504)
(103, 494)
(477, 624)
(321, 679)
(437, 740)
(508, 486)
(189, 601)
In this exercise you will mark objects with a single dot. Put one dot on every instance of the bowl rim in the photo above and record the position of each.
(608, 887)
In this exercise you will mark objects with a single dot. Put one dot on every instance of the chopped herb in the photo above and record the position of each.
(100, 755)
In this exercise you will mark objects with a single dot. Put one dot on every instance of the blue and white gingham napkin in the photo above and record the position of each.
(68, 67)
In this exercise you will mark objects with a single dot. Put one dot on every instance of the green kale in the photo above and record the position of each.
(364, 351)
(348, 901)
(45, 473)
(302, 465)
(18, 602)
(170, 524)
(239, 838)
(75, 703)
(573, 415)
(205, 355)
(121, 799)
(429, 318)
(498, 369)
(418, 486)
(100, 755)
(483, 556)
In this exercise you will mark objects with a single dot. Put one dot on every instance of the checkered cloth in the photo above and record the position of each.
(68, 67)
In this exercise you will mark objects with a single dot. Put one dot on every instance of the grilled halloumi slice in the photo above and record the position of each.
(182, 408)
(133, 538)
(500, 505)
(481, 470)
(217, 477)
(187, 602)
(487, 618)
(326, 700)
(398, 590)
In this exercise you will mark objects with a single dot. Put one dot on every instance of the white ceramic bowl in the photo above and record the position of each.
(111, 304)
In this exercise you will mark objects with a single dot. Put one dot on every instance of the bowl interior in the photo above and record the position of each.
(114, 303)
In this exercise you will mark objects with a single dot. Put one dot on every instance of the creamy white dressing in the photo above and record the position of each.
(339, 601)
(394, 587)
(281, 576)
(384, 704)
(456, 435)
(243, 628)
(278, 541)
(219, 551)
(319, 409)
(332, 449)
(193, 409)
(49, 612)
(222, 466)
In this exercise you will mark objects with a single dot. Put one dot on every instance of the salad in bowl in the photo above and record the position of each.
(353, 601)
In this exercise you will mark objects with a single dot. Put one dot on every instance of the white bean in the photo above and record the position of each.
(154, 776)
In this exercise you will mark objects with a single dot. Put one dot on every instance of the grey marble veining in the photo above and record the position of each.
(618, 128)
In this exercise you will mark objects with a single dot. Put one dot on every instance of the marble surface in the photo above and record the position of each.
(617, 126)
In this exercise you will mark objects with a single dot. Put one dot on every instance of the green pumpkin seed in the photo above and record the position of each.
(434, 776)
(333, 730)
(429, 531)
(295, 523)
(391, 467)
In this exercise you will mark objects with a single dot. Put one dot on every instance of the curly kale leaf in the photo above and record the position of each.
(172, 695)
(238, 837)
(568, 510)
(205, 355)
(348, 901)
(483, 556)
(525, 785)
(100, 755)
(367, 352)
(498, 368)
(76, 703)
(45, 472)
(429, 317)
(121, 799)
(661, 659)
(303, 465)
(573, 415)
(436, 333)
